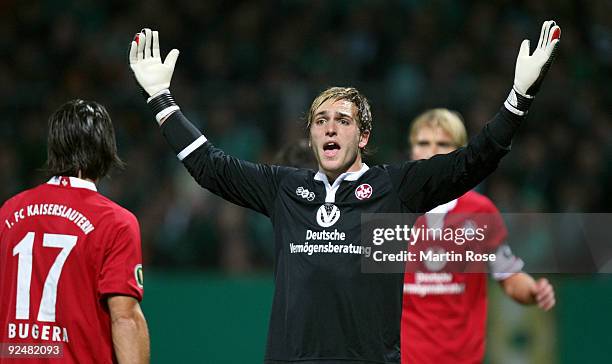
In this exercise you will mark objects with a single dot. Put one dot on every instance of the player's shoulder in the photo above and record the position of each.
(115, 213)
(395, 171)
(477, 202)
(292, 174)
(385, 171)
(397, 166)
(21, 196)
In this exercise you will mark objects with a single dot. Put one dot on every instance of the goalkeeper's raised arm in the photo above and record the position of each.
(445, 177)
(244, 183)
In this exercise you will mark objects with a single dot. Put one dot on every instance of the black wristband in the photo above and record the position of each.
(518, 103)
(162, 105)
(161, 102)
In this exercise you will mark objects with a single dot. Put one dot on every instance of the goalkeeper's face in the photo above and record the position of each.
(336, 139)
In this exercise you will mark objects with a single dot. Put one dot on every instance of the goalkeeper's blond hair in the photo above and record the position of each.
(445, 119)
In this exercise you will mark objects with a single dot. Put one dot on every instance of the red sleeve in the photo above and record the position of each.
(121, 272)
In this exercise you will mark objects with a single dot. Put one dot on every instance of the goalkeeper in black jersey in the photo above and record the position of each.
(325, 310)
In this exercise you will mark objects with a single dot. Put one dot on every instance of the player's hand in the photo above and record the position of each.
(544, 294)
(531, 69)
(146, 63)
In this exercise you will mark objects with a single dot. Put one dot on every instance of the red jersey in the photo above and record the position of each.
(63, 249)
(444, 313)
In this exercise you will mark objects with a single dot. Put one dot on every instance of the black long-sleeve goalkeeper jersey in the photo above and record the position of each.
(325, 310)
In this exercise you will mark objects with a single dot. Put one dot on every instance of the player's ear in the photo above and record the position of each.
(364, 138)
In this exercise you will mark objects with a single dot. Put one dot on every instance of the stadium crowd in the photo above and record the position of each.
(248, 71)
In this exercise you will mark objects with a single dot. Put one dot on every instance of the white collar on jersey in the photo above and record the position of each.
(330, 190)
(435, 216)
(444, 208)
(74, 182)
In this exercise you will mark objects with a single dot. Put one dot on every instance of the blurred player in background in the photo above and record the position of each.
(297, 154)
(70, 259)
(444, 311)
(325, 310)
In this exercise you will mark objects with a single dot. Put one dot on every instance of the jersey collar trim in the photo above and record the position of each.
(346, 176)
(74, 182)
(435, 216)
(444, 208)
(330, 190)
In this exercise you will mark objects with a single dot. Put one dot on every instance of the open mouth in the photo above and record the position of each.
(331, 149)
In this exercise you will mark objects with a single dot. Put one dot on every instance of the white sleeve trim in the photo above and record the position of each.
(162, 115)
(191, 147)
(513, 109)
(511, 102)
(506, 263)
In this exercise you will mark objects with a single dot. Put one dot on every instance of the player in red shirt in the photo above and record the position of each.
(444, 313)
(70, 258)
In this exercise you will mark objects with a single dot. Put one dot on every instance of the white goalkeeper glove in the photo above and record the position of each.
(152, 75)
(531, 69)
(146, 63)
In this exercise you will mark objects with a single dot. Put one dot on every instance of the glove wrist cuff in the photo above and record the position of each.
(518, 103)
(162, 103)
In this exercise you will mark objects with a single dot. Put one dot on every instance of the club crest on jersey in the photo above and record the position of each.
(363, 191)
(327, 215)
(304, 193)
